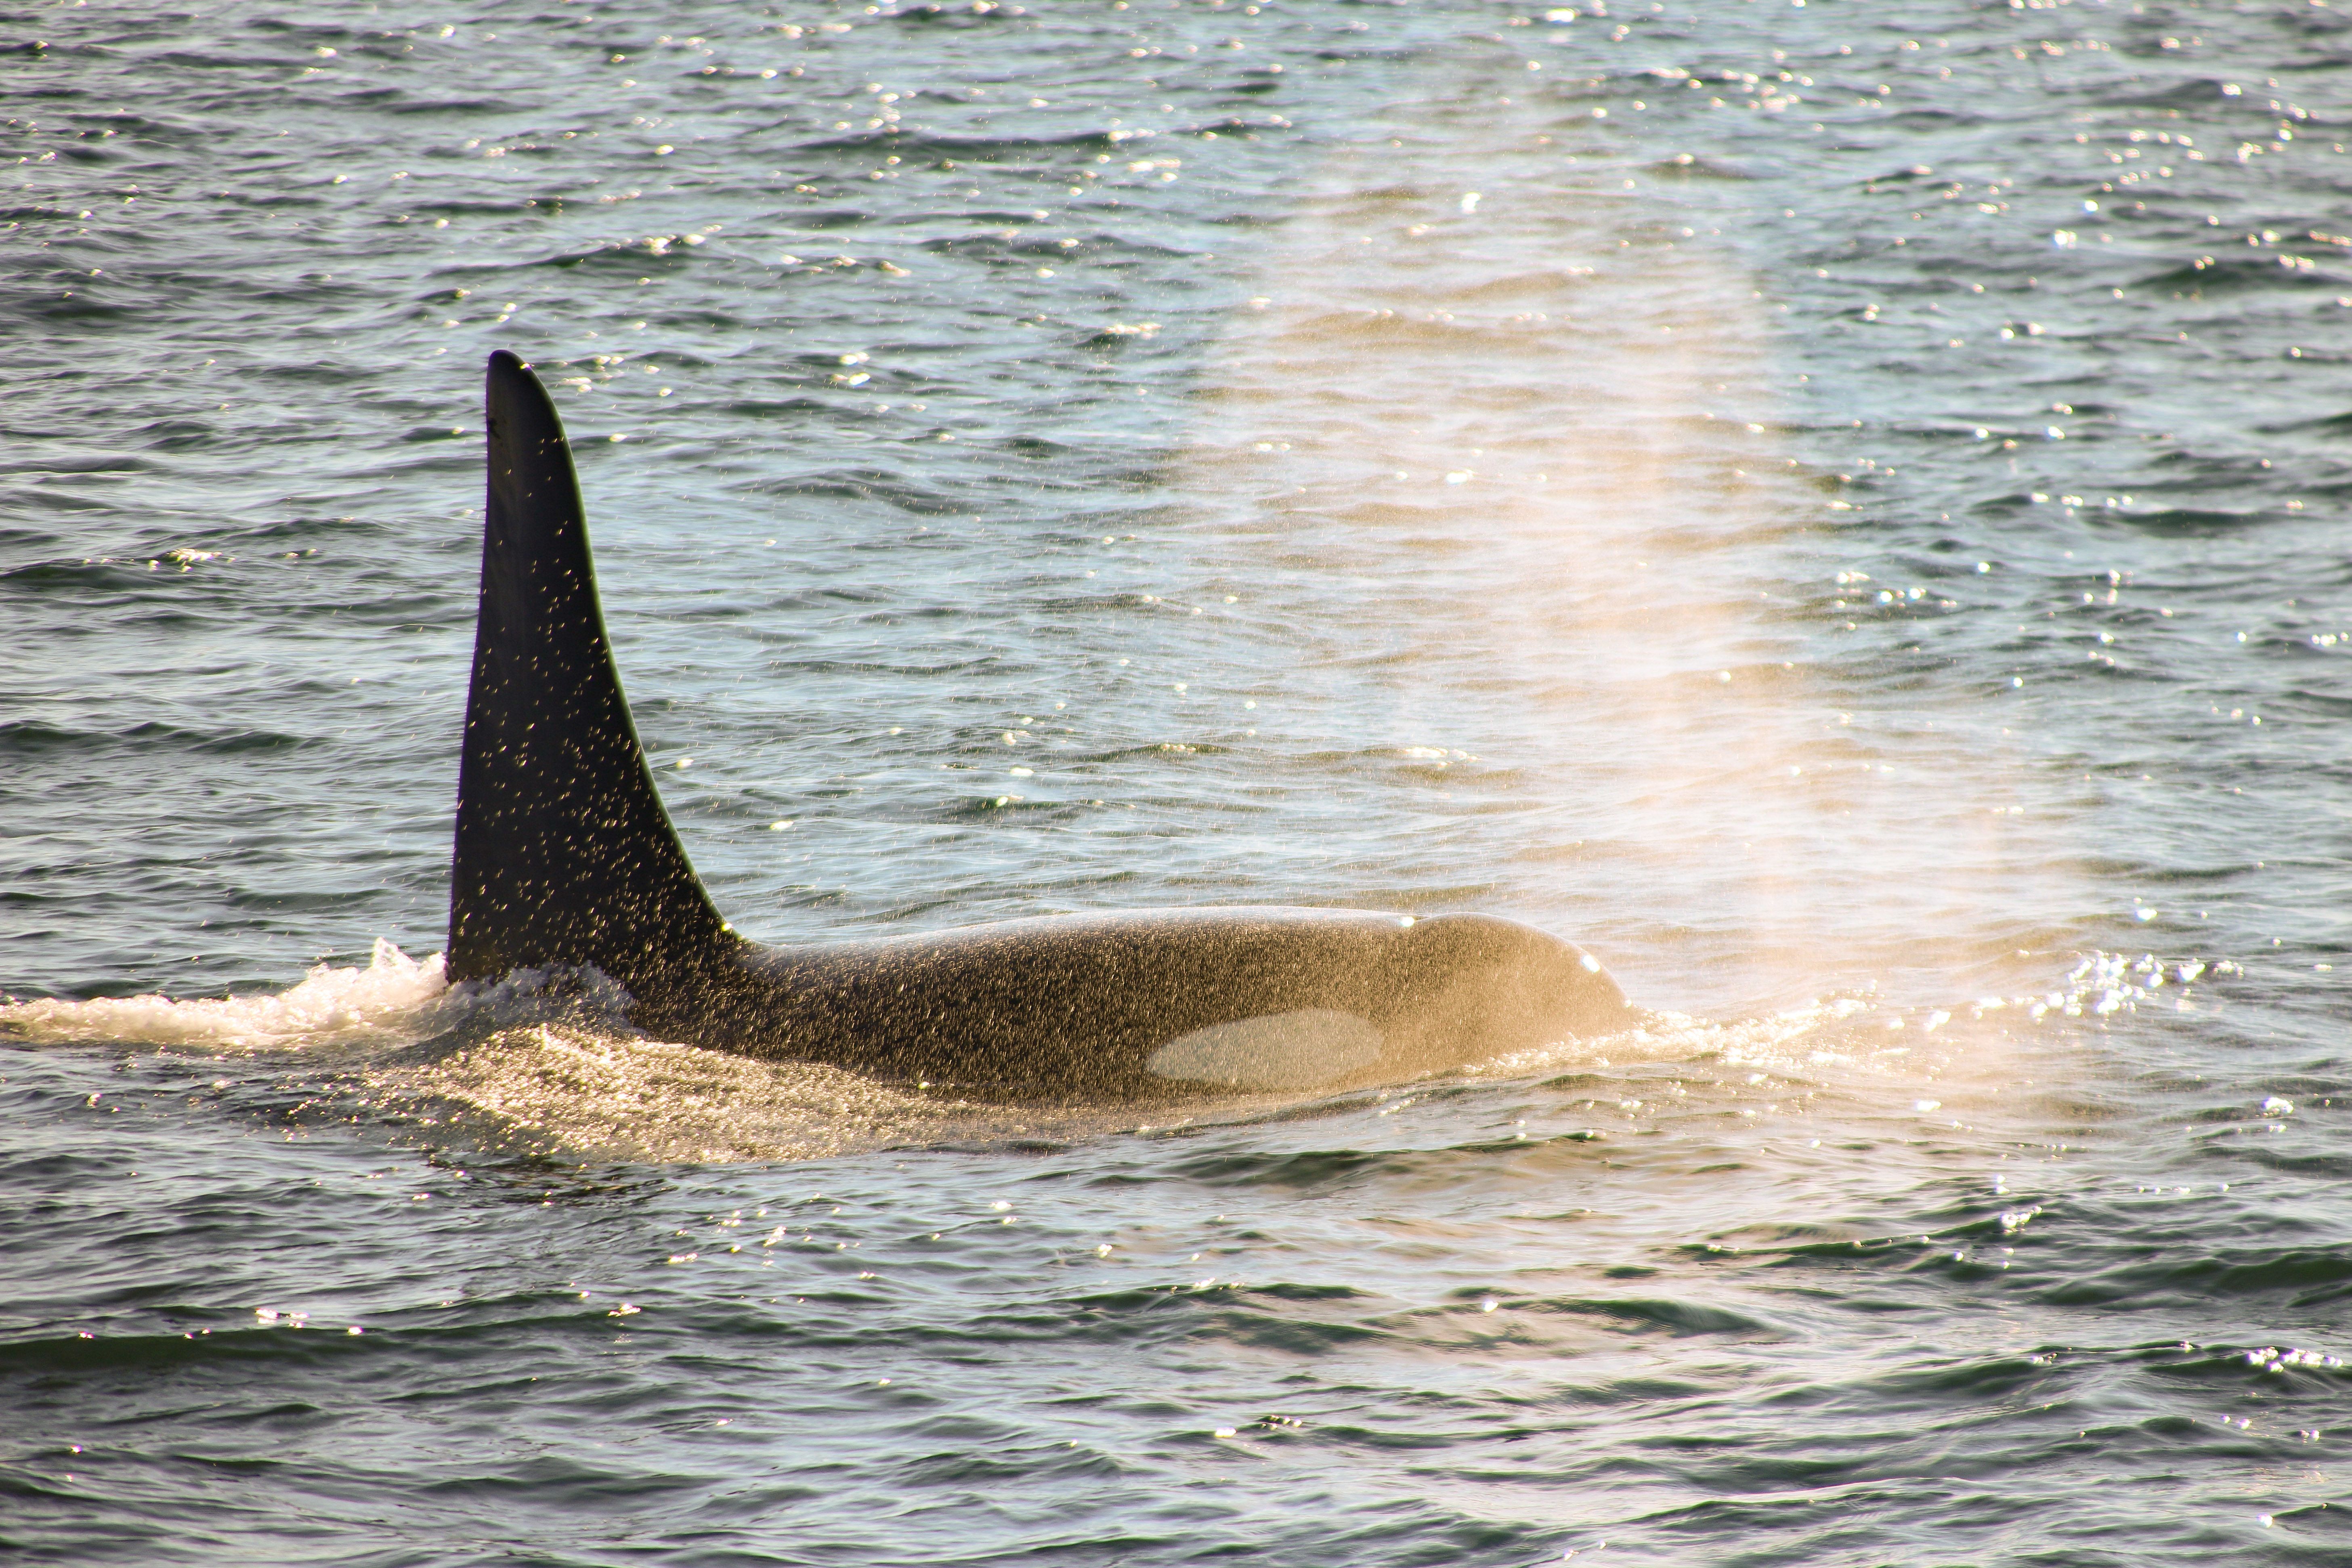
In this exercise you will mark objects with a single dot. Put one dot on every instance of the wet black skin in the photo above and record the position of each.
(565, 858)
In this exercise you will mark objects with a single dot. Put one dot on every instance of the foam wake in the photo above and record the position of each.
(389, 999)
(396, 1001)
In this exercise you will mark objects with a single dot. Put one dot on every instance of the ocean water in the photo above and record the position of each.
(1839, 508)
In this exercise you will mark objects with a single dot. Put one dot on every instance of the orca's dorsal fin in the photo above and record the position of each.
(564, 854)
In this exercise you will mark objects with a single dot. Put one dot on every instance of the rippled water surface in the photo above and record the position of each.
(1839, 508)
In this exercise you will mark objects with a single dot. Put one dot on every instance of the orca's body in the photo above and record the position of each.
(565, 858)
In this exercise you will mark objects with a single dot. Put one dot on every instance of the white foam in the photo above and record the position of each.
(393, 996)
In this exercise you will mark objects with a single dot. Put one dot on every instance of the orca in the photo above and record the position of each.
(565, 858)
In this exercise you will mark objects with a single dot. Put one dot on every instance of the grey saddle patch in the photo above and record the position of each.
(1275, 1050)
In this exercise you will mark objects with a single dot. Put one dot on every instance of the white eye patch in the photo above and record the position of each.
(1275, 1050)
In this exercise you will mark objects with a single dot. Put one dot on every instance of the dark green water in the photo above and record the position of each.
(1841, 513)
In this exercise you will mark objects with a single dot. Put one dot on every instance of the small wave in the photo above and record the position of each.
(1691, 166)
(2189, 522)
(30, 737)
(1639, 1313)
(2305, 1277)
(2232, 275)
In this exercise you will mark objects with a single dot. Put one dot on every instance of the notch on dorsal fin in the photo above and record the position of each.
(564, 854)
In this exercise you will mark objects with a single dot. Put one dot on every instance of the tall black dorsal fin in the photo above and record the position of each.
(564, 854)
